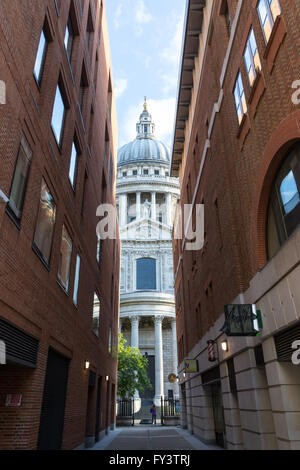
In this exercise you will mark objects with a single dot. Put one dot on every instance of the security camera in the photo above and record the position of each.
(3, 197)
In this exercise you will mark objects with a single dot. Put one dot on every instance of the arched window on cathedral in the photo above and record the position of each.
(284, 206)
(146, 274)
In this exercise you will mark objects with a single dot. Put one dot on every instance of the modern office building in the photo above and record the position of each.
(146, 198)
(237, 151)
(58, 310)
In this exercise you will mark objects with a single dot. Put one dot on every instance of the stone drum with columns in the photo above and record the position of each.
(146, 202)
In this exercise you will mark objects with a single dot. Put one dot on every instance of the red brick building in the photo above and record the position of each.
(59, 285)
(236, 150)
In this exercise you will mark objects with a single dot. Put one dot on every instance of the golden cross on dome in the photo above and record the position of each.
(145, 104)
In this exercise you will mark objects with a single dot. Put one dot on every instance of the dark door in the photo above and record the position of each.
(98, 407)
(54, 400)
(148, 394)
(218, 410)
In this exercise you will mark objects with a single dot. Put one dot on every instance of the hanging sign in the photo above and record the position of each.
(191, 365)
(172, 378)
(241, 320)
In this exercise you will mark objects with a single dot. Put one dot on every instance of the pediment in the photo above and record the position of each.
(144, 229)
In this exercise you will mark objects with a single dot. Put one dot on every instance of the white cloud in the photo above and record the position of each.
(120, 86)
(171, 53)
(142, 15)
(118, 15)
(163, 114)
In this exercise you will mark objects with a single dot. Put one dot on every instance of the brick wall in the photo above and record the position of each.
(30, 296)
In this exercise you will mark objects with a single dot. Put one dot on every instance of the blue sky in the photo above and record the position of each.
(145, 41)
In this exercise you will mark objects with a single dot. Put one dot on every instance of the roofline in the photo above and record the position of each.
(191, 34)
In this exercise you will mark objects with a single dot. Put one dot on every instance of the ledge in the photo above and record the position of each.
(257, 92)
(276, 39)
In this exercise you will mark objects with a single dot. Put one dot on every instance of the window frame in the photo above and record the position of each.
(75, 172)
(59, 87)
(139, 289)
(59, 274)
(276, 206)
(76, 280)
(240, 95)
(252, 55)
(35, 248)
(269, 16)
(99, 313)
(38, 79)
(9, 209)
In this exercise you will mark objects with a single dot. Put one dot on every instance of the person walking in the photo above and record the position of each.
(153, 412)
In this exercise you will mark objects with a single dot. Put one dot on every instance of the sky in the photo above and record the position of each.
(145, 42)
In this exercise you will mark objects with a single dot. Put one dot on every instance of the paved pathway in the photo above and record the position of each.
(151, 438)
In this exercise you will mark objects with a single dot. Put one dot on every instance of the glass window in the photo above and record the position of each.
(76, 280)
(18, 187)
(268, 10)
(251, 56)
(96, 314)
(73, 165)
(284, 207)
(40, 58)
(98, 249)
(58, 116)
(134, 172)
(109, 340)
(45, 223)
(239, 97)
(69, 38)
(65, 259)
(146, 274)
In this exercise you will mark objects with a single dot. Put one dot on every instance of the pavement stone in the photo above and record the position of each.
(151, 438)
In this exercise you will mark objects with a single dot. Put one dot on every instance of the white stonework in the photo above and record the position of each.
(146, 201)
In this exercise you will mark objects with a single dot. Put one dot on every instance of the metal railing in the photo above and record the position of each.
(169, 408)
(125, 408)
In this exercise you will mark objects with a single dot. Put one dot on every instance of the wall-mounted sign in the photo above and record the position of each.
(172, 378)
(13, 400)
(191, 365)
(241, 320)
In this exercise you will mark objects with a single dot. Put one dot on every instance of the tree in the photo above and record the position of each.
(132, 370)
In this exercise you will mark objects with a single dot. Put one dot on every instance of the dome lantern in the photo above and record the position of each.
(145, 148)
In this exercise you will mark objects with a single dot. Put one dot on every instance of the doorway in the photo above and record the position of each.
(218, 412)
(98, 407)
(149, 393)
(54, 400)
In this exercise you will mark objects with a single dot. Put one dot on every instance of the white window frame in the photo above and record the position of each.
(252, 58)
(269, 16)
(239, 88)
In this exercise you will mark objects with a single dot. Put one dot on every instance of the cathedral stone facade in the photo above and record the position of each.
(146, 201)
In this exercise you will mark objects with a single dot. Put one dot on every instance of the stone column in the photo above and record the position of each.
(135, 343)
(174, 356)
(135, 331)
(123, 210)
(168, 209)
(159, 370)
(138, 205)
(153, 206)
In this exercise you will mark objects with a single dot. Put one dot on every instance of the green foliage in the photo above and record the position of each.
(132, 370)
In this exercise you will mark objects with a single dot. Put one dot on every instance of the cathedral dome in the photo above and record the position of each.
(145, 148)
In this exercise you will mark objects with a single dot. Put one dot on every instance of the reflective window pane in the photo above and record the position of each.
(146, 274)
(96, 314)
(45, 223)
(58, 115)
(73, 165)
(17, 192)
(76, 281)
(65, 259)
(40, 58)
